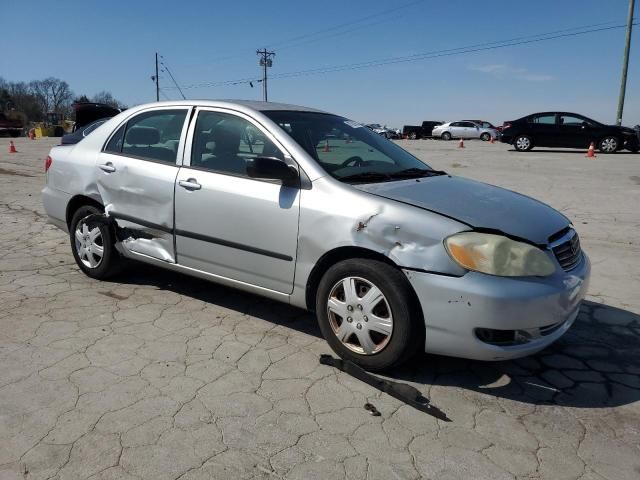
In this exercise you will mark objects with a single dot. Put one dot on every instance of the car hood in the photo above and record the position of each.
(479, 205)
(627, 130)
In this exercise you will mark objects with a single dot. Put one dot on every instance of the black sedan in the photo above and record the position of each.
(567, 130)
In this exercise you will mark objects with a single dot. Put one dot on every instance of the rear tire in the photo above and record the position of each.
(446, 136)
(413, 136)
(376, 332)
(93, 245)
(522, 143)
(609, 144)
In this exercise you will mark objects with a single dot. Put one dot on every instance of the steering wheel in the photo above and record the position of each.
(356, 160)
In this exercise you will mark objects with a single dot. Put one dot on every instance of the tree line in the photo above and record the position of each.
(31, 101)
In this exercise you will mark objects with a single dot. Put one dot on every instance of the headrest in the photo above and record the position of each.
(227, 138)
(142, 136)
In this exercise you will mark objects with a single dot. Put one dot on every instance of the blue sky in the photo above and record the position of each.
(110, 45)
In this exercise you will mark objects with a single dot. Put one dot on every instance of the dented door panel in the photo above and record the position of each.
(138, 194)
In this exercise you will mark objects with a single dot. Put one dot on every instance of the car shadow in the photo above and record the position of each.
(596, 364)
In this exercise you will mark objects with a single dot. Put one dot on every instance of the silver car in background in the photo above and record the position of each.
(464, 129)
(315, 210)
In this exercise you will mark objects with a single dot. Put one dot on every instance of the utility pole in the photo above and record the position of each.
(625, 62)
(265, 61)
(157, 79)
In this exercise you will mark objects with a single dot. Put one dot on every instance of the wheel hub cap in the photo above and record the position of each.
(360, 315)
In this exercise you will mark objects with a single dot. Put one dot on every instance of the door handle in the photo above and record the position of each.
(107, 167)
(190, 184)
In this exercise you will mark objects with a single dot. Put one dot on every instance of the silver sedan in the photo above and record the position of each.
(464, 129)
(315, 210)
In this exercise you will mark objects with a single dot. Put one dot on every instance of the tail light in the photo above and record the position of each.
(47, 163)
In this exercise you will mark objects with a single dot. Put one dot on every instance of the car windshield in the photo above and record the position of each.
(347, 150)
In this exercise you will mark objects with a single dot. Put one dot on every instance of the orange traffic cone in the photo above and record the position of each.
(12, 147)
(491, 139)
(32, 134)
(461, 143)
(591, 153)
(326, 147)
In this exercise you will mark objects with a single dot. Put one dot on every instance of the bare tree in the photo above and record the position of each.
(108, 99)
(53, 94)
(22, 99)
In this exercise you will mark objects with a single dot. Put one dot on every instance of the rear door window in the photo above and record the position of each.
(543, 119)
(153, 136)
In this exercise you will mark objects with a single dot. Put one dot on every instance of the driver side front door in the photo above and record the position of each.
(228, 224)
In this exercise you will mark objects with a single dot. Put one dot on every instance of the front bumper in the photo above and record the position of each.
(454, 308)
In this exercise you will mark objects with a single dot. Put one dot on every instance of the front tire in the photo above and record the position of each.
(485, 137)
(522, 143)
(413, 136)
(93, 245)
(368, 314)
(608, 144)
(446, 136)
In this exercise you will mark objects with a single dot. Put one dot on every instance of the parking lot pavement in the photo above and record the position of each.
(160, 376)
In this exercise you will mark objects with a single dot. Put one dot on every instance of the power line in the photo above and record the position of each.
(166, 68)
(166, 97)
(437, 54)
(541, 37)
(286, 43)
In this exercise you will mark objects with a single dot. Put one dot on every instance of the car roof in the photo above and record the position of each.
(236, 104)
(555, 113)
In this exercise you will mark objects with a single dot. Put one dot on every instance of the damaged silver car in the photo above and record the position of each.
(313, 209)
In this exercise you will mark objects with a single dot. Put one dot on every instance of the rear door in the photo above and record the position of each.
(227, 223)
(457, 129)
(136, 174)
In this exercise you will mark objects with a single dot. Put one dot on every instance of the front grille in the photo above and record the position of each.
(567, 250)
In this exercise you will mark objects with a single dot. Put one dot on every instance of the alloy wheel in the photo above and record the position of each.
(359, 315)
(523, 143)
(89, 245)
(609, 145)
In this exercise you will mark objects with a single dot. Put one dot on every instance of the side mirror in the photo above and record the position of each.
(273, 169)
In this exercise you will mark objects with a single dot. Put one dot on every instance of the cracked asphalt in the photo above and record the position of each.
(160, 376)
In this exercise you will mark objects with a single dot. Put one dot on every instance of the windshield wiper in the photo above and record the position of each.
(417, 172)
(365, 177)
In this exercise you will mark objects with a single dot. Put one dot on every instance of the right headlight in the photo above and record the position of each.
(498, 255)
